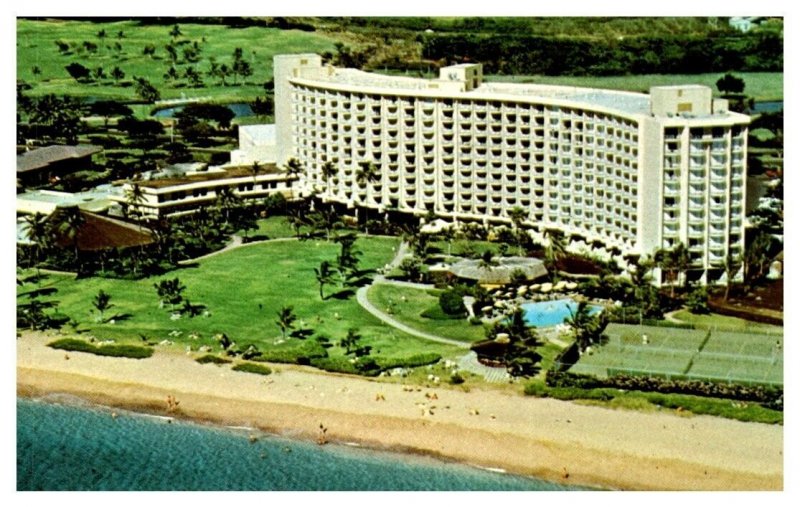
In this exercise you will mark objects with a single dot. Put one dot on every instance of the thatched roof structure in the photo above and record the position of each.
(470, 269)
(98, 232)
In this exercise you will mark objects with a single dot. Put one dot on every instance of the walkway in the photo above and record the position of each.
(235, 242)
(468, 362)
(361, 297)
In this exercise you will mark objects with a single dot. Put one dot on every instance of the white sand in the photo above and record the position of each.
(554, 440)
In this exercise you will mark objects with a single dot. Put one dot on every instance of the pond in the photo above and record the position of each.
(552, 313)
(239, 110)
(767, 106)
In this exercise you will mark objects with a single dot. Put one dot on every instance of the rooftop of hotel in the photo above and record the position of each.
(629, 102)
(210, 175)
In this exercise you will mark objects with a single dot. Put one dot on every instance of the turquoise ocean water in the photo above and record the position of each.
(62, 445)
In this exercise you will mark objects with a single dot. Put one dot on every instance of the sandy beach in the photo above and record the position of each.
(554, 440)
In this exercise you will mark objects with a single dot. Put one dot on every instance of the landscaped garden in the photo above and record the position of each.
(240, 294)
(419, 309)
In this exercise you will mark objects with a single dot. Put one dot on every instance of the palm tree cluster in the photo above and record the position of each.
(513, 343)
(588, 329)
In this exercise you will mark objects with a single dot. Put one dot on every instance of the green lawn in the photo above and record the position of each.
(271, 228)
(406, 305)
(716, 321)
(243, 290)
(760, 85)
(36, 47)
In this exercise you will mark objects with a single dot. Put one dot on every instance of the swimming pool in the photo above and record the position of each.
(551, 313)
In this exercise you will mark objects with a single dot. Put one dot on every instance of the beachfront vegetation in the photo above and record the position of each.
(102, 349)
(260, 369)
(683, 404)
(260, 279)
(212, 359)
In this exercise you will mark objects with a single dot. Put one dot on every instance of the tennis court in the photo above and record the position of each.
(747, 358)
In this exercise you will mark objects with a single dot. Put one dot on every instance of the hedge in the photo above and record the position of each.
(212, 359)
(409, 362)
(304, 353)
(253, 368)
(344, 365)
(771, 397)
(112, 350)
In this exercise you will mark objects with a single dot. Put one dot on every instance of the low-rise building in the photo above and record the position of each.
(184, 194)
(42, 166)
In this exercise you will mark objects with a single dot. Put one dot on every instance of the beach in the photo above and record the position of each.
(558, 441)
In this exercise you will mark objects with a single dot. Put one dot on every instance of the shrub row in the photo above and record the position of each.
(370, 367)
(769, 396)
(409, 362)
(344, 365)
(130, 351)
(253, 368)
(304, 354)
(212, 359)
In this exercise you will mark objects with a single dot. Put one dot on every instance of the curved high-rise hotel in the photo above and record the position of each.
(631, 171)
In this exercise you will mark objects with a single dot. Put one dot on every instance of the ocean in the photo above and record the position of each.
(66, 445)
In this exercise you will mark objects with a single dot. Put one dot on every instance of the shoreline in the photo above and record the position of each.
(556, 441)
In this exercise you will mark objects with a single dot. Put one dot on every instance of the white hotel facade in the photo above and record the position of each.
(633, 172)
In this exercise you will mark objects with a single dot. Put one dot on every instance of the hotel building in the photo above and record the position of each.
(632, 172)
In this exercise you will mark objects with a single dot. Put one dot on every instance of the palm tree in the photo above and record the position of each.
(286, 318)
(68, 222)
(556, 249)
(296, 216)
(756, 256)
(487, 262)
(227, 202)
(674, 262)
(588, 329)
(170, 291)
(328, 172)
(324, 274)
(517, 216)
(102, 302)
(327, 218)
(254, 170)
(294, 168)
(134, 196)
(367, 174)
(731, 264)
(38, 233)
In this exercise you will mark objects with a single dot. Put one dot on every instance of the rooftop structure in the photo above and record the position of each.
(46, 201)
(41, 165)
(256, 145)
(183, 194)
(102, 233)
(630, 171)
(471, 269)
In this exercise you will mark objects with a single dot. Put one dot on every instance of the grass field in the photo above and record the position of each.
(717, 322)
(36, 47)
(406, 305)
(760, 85)
(700, 354)
(243, 290)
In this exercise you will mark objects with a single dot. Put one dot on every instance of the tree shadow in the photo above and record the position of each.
(359, 282)
(43, 291)
(119, 317)
(301, 334)
(342, 294)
